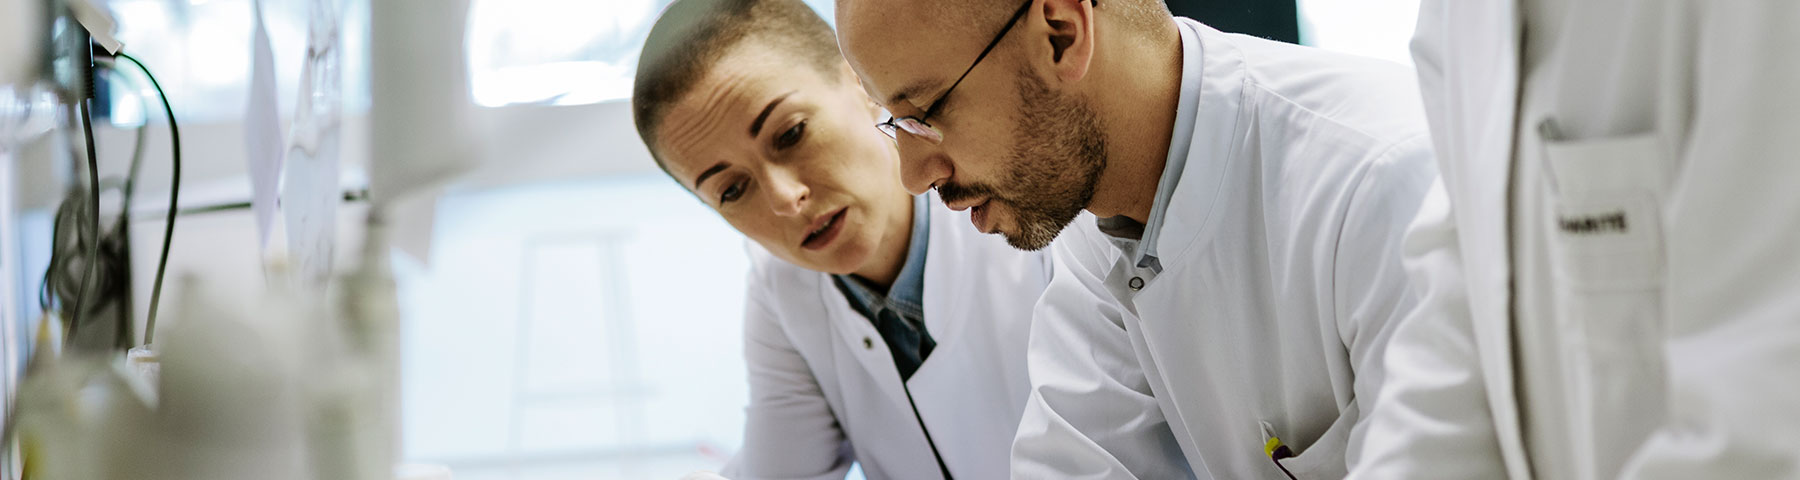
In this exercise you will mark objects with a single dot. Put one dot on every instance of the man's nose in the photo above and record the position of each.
(922, 164)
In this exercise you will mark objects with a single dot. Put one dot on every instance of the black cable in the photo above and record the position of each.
(117, 241)
(111, 276)
(93, 256)
(162, 262)
(56, 284)
(111, 69)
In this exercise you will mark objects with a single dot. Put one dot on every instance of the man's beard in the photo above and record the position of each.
(1058, 152)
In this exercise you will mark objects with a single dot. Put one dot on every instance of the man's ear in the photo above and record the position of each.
(1070, 32)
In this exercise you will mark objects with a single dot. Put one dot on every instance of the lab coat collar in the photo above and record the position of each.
(1213, 144)
(938, 291)
(1139, 241)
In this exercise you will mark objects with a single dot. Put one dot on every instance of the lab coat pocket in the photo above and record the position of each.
(1606, 247)
(1324, 458)
(1607, 231)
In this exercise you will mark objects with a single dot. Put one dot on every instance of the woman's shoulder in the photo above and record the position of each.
(774, 275)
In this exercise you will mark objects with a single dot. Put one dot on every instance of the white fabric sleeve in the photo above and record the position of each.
(1431, 419)
(790, 431)
(1370, 281)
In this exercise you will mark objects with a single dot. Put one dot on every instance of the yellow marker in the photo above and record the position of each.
(1276, 450)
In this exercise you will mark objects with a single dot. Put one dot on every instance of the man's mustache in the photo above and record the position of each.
(953, 193)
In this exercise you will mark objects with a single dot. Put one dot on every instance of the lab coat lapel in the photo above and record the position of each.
(938, 298)
(1471, 82)
(1490, 168)
(941, 276)
(864, 343)
(948, 297)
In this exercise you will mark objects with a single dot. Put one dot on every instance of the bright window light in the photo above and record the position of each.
(1374, 28)
(561, 52)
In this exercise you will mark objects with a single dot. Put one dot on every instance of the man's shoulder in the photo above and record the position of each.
(1335, 90)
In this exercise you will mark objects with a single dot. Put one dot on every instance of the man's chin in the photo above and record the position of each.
(1027, 241)
(1038, 231)
(1024, 244)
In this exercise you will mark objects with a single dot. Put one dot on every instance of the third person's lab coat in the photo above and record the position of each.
(824, 390)
(1281, 276)
(1612, 277)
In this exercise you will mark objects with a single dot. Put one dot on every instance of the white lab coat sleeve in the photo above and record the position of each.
(790, 431)
(1431, 418)
(1371, 289)
(1091, 413)
(1734, 356)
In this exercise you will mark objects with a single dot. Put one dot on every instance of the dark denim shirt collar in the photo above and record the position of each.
(899, 314)
(907, 294)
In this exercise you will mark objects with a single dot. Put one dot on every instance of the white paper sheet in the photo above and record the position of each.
(262, 130)
(421, 128)
(310, 194)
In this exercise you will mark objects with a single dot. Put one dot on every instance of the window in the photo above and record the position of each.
(200, 52)
(561, 52)
(1375, 28)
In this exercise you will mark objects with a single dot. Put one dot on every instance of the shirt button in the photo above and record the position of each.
(1136, 283)
(868, 344)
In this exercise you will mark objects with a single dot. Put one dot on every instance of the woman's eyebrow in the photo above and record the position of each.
(716, 168)
(757, 125)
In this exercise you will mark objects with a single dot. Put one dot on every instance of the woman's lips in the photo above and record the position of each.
(827, 233)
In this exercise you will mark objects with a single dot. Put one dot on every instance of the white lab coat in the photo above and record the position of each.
(1682, 118)
(824, 390)
(1282, 275)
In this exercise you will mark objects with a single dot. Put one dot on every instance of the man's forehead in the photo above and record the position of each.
(915, 91)
(904, 78)
(898, 48)
(910, 91)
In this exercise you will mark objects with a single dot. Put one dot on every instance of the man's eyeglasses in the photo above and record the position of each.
(917, 125)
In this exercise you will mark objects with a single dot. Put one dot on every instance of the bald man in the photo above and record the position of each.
(1225, 308)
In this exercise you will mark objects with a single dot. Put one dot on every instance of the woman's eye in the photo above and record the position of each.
(790, 137)
(732, 193)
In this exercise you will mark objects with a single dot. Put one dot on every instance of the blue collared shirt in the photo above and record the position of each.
(1138, 240)
(899, 314)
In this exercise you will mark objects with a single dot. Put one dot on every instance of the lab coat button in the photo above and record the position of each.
(868, 344)
(1136, 283)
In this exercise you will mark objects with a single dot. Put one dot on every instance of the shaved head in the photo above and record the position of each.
(954, 32)
(980, 15)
